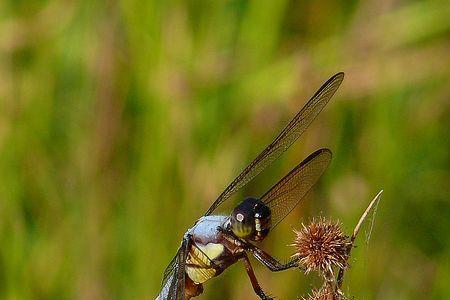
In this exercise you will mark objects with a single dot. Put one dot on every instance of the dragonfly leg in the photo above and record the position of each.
(272, 263)
(263, 257)
(253, 280)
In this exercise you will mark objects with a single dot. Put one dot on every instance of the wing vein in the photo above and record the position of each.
(285, 195)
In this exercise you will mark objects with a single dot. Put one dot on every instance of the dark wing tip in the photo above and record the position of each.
(325, 152)
(339, 75)
(336, 78)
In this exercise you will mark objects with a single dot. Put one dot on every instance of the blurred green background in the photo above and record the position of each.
(120, 122)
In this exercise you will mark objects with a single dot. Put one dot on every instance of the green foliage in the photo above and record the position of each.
(120, 122)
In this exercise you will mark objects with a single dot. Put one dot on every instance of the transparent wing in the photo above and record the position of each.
(180, 274)
(284, 196)
(173, 283)
(284, 140)
(170, 269)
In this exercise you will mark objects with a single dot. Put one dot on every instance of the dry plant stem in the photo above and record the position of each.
(372, 204)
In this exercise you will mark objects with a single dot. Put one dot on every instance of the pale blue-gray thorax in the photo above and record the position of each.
(206, 226)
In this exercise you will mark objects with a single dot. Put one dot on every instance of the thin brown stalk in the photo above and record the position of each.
(371, 206)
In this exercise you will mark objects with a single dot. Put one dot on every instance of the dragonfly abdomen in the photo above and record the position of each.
(198, 263)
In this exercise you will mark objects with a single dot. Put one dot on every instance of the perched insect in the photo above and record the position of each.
(215, 242)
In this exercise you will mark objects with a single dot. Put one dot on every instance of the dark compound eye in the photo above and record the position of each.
(262, 212)
(250, 219)
(262, 221)
(242, 219)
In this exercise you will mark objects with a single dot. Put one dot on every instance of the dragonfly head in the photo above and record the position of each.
(251, 219)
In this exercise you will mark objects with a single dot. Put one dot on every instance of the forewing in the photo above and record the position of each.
(169, 283)
(284, 140)
(284, 196)
(173, 283)
(170, 270)
(180, 274)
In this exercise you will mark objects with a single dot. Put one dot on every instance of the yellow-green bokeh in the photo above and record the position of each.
(121, 121)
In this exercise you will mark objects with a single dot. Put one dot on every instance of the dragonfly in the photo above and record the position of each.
(215, 242)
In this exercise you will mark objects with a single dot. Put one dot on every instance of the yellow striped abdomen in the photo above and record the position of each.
(198, 262)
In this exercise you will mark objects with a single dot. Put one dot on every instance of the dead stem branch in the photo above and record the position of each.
(373, 204)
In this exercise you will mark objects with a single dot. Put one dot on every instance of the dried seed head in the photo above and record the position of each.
(323, 294)
(321, 245)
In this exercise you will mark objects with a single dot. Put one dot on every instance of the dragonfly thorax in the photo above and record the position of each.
(251, 219)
